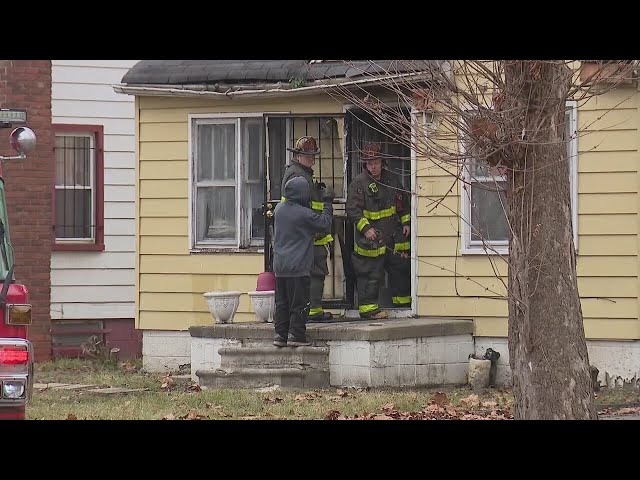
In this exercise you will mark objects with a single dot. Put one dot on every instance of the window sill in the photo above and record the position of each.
(499, 250)
(223, 250)
(77, 247)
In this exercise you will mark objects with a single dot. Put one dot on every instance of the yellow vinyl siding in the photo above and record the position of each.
(171, 280)
(607, 264)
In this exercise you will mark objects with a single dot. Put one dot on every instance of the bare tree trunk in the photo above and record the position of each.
(547, 346)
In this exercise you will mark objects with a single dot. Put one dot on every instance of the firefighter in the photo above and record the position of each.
(304, 154)
(379, 207)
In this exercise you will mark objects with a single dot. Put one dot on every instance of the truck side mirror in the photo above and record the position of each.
(23, 140)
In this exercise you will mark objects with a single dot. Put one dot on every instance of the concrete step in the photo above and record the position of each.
(273, 357)
(247, 377)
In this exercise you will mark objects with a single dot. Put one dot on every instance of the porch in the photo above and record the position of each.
(395, 352)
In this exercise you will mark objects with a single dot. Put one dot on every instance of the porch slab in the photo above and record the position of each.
(348, 330)
(399, 352)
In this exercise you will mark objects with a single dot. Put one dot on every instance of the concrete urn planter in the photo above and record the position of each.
(223, 305)
(264, 304)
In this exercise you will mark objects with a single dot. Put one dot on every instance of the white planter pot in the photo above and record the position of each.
(223, 305)
(264, 304)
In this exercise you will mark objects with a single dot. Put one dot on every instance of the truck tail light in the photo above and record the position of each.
(14, 355)
(16, 373)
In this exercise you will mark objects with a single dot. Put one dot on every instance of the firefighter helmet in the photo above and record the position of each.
(305, 146)
(371, 151)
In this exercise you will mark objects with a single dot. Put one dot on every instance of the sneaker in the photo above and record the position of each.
(297, 342)
(378, 315)
(322, 317)
(279, 341)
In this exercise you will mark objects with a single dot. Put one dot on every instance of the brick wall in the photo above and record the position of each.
(29, 183)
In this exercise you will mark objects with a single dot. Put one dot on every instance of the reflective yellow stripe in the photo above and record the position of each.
(368, 308)
(363, 222)
(314, 205)
(365, 252)
(315, 311)
(401, 300)
(405, 218)
(324, 240)
(402, 247)
(387, 212)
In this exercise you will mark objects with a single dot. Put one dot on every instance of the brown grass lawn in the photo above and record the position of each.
(175, 397)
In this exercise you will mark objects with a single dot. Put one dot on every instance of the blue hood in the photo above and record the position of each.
(297, 190)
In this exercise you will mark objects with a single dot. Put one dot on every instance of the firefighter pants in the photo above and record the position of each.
(319, 271)
(370, 277)
(292, 306)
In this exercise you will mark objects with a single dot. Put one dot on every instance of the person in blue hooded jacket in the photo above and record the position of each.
(295, 225)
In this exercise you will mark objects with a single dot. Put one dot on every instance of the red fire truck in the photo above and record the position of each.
(16, 352)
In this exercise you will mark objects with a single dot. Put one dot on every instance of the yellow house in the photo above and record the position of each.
(211, 146)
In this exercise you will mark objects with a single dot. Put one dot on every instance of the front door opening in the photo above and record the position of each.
(340, 138)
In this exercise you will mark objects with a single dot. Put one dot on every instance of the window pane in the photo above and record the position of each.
(256, 198)
(488, 217)
(253, 149)
(216, 152)
(216, 213)
(73, 213)
(253, 142)
(479, 169)
(73, 160)
(277, 154)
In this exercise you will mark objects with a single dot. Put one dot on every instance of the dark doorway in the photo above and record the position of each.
(340, 138)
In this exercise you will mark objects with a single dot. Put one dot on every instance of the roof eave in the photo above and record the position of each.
(261, 90)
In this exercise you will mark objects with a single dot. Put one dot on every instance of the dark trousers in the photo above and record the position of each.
(319, 271)
(370, 276)
(292, 306)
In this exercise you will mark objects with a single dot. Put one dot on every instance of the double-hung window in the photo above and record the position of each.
(227, 181)
(78, 191)
(484, 227)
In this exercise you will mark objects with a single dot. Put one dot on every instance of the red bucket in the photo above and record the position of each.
(266, 281)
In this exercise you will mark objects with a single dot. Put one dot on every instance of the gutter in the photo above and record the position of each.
(278, 91)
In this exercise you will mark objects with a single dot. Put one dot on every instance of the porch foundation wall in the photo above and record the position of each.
(420, 361)
(618, 361)
(165, 351)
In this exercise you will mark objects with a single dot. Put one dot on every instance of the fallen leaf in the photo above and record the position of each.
(342, 393)
(128, 367)
(270, 399)
(167, 382)
(194, 387)
(382, 417)
(627, 410)
(332, 415)
(489, 404)
(193, 415)
(388, 407)
(71, 416)
(306, 396)
(450, 409)
(440, 398)
(471, 401)
(169, 417)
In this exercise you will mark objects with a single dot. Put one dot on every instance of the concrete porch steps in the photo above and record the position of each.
(255, 367)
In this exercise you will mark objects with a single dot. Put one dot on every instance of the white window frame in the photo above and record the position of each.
(92, 187)
(501, 247)
(243, 235)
